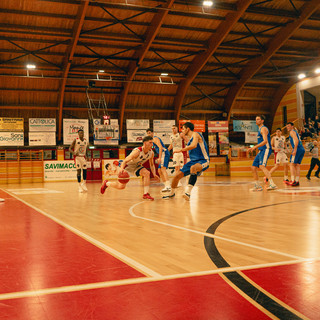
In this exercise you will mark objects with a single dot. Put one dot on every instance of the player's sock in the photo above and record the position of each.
(167, 184)
(271, 181)
(146, 189)
(285, 178)
(297, 179)
(292, 178)
(188, 188)
(257, 183)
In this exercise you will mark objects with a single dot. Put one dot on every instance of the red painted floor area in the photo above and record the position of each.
(207, 297)
(38, 253)
(298, 285)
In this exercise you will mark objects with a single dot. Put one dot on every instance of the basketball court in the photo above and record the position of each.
(229, 253)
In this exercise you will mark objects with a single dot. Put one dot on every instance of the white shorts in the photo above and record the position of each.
(178, 159)
(280, 157)
(81, 162)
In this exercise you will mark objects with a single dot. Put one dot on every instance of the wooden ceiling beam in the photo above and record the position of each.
(200, 60)
(256, 64)
(82, 9)
(140, 54)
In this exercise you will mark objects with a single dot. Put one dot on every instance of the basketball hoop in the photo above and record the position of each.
(108, 138)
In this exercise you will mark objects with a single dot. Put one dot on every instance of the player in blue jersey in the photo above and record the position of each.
(296, 154)
(164, 157)
(199, 160)
(261, 159)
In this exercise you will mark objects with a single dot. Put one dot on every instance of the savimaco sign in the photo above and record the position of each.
(60, 171)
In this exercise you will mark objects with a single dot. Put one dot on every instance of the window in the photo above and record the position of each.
(284, 115)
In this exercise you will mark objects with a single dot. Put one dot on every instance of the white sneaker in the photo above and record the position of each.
(84, 186)
(257, 188)
(80, 189)
(166, 189)
(272, 187)
(186, 196)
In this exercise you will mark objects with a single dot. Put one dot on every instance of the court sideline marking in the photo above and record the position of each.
(129, 261)
(209, 235)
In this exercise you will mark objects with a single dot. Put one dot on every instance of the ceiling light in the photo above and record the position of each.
(301, 76)
(31, 66)
(101, 71)
(317, 71)
(164, 74)
(207, 3)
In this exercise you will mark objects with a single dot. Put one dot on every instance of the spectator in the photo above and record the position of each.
(305, 133)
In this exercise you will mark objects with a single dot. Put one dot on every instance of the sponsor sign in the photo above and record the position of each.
(163, 129)
(136, 135)
(134, 124)
(71, 128)
(212, 143)
(199, 125)
(11, 139)
(224, 143)
(218, 126)
(11, 124)
(251, 137)
(42, 138)
(60, 170)
(245, 126)
(42, 124)
(164, 136)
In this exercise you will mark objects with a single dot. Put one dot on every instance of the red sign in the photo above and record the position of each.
(218, 126)
(199, 125)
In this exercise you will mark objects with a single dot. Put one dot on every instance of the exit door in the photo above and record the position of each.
(94, 165)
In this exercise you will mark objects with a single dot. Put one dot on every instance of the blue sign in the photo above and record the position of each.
(245, 126)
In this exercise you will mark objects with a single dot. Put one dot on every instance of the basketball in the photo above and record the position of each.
(123, 177)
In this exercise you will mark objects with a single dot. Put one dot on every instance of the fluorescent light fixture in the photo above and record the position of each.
(301, 76)
(164, 74)
(91, 147)
(101, 71)
(31, 66)
(317, 71)
(207, 3)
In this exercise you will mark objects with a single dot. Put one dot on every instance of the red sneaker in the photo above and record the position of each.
(147, 196)
(286, 181)
(295, 183)
(289, 183)
(104, 187)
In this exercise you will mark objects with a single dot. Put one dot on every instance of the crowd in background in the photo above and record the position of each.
(311, 128)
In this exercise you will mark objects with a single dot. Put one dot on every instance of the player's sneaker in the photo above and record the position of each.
(289, 183)
(166, 189)
(80, 189)
(265, 179)
(186, 196)
(295, 184)
(104, 187)
(169, 196)
(272, 187)
(317, 175)
(84, 186)
(286, 181)
(308, 177)
(147, 196)
(257, 188)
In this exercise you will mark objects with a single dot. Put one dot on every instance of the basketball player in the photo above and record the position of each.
(314, 160)
(279, 146)
(133, 164)
(199, 160)
(177, 143)
(261, 159)
(164, 157)
(79, 149)
(296, 155)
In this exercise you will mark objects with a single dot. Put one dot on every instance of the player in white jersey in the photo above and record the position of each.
(177, 143)
(79, 149)
(133, 164)
(279, 146)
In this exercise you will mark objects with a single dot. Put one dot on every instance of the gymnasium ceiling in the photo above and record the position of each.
(229, 61)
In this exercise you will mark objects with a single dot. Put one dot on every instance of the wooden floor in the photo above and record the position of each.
(225, 228)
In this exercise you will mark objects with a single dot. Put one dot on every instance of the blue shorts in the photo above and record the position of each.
(261, 158)
(186, 168)
(164, 162)
(298, 157)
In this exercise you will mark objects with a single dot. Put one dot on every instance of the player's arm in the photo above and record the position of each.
(272, 144)
(71, 148)
(196, 139)
(130, 157)
(153, 168)
(157, 142)
(264, 132)
(295, 141)
(170, 147)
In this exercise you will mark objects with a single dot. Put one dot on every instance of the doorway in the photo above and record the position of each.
(310, 105)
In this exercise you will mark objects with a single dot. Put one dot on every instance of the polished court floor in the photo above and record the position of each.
(229, 253)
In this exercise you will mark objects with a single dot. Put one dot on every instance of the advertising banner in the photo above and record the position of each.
(212, 137)
(42, 124)
(135, 124)
(136, 135)
(102, 132)
(199, 125)
(251, 137)
(60, 170)
(11, 124)
(163, 129)
(245, 126)
(11, 139)
(71, 128)
(218, 126)
(224, 143)
(42, 138)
